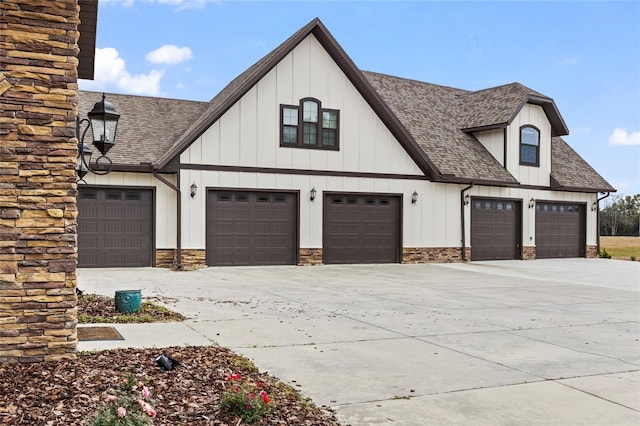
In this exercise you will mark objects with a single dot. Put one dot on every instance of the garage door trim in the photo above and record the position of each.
(398, 196)
(152, 189)
(518, 203)
(296, 192)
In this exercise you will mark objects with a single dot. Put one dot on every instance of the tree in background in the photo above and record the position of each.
(621, 216)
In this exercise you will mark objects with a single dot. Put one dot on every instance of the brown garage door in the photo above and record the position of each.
(361, 228)
(560, 230)
(115, 227)
(495, 229)
(251, 228)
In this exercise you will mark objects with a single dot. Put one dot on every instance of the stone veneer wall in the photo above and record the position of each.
(310, 257)
(38, 96)
(592, 252)
(434, 254)
(528, 253)
(191, 258)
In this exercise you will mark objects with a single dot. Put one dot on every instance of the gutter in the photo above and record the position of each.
(154, 171)
(598, 222)
(464, 254)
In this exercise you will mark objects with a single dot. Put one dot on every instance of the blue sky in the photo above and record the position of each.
(585, 55)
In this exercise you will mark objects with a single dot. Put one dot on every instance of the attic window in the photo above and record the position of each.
(529, 146)
(308, 125)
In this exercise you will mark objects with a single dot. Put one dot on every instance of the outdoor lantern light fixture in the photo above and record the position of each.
(313, 194)
(194, 190)
(594, 206)
(532, 203)
(414, 197)
(467, 199)
(103, 120)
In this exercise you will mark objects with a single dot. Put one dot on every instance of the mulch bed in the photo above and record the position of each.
(71, 392)
(94, 308)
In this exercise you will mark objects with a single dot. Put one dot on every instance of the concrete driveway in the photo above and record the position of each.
(546, 342)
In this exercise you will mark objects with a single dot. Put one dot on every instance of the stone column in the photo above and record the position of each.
(38, 97)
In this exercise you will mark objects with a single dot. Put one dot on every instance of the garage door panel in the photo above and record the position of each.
(115, 227)
(361, 228)
(495, 229)
(560, 230)
(249, 228)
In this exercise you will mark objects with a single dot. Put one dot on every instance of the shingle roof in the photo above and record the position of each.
(433, 123)
(570, 171)
(430, 114)
(147, 128)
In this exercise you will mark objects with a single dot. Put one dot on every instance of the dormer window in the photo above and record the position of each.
(308, 125)
(529, 146)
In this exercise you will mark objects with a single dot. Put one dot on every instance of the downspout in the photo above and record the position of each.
(178, 214)
(598, 222)
(464, 237)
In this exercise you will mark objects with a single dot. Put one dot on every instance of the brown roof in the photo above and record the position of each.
(433, 123)
(147, 128)
(570, 171)
(430, 114)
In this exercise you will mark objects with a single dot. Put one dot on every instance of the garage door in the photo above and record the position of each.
(560, 230)
(115, 227)
(251, 228)
(495, 229)
(361, 228)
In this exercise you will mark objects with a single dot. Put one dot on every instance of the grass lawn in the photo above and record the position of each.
(624, 248)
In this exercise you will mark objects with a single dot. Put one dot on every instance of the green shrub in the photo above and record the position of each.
(245, 399)
(603, 254)
(130, 408)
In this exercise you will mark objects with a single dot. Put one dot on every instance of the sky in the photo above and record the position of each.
(583, 54)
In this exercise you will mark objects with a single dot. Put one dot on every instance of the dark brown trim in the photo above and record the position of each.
(247, 169)
(400, 197)
(153, 208)
(300, 126)
(87, 38)
(504, 152)
(486, 127)
(296, 192)
(538, 146)
(558, 126)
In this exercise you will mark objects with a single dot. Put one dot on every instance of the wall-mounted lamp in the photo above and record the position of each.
(532, 203)
(594, 206)
(194, 190)
(312, 196)
(414, 197)
(467, 199)
(103, 121)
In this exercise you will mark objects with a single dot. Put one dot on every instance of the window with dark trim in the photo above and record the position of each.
(308, 125)
(529, 146)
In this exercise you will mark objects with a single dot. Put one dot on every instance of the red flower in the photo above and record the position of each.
(265, 397)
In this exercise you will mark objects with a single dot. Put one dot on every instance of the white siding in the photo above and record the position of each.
(248, 134)
(528, 175)
(493, 141)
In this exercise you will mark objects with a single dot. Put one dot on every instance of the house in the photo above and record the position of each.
(305, 159)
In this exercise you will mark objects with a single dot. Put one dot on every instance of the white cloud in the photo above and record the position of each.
(169, 54)
(110, 70)
(568, 61)
(622, 137)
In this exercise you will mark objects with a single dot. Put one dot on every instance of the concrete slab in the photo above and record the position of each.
(542, 403)
(544, 342)
(156, 335)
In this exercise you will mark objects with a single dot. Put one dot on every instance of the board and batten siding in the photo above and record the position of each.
(493, 141)
(528, 175)
(165, 200)
(248, 134)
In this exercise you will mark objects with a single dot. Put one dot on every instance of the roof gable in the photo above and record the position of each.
(496, 107)
(245, 81)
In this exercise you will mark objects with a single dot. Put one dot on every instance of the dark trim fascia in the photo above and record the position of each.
(269, 170)
(467, 181)
(87, 38)
(555, 185)
(504, 152)
(484, 128)
(558, 126)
